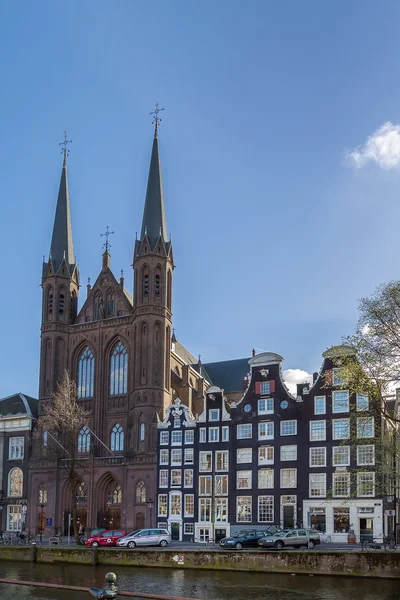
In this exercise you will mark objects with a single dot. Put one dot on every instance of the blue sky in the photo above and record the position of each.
(282, 213)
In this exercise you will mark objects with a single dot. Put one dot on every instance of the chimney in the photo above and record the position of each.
(315, 377)
(254, 353)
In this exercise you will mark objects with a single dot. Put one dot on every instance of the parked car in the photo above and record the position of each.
(107, 537)
(291, 538)
(92, 533)
(247, 538)
(145, 537)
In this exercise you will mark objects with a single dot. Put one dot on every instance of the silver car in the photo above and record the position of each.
(145, 537)
(291, 537)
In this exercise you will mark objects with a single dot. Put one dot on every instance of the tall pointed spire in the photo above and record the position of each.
(154, 223)
(61, 241)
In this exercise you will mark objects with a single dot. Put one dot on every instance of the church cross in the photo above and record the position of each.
(64, 144)
(156, 118)
(106, 234)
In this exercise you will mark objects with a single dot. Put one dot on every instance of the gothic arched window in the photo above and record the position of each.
(145, 285)
(81, 494)
(140, 493)
(84, 441)
(119, 370)
(117, 438)
(169, 290)
(157, 285)
(142, 432)
(15, 482)
(86, 374)
(61, 304)
(43, 494)
(50, 301)
(114, 494)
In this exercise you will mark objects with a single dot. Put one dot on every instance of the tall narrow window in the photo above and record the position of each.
(81, 494)
(145, 285)
(117, 438)
(50, 302)
(142, 432)
(61, 304)
(157, 285)
(140, 493)
(15, 482)
(169, 290)
(114, 494)
(119, 370)
(84, 441)
(43, 494)
(86, 374)
(74, 305)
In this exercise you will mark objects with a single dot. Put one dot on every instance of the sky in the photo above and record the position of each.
(280, 151)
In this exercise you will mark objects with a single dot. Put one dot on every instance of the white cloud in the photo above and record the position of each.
(294, 376)
(382, 148)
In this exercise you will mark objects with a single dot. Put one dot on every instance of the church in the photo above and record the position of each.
(128, 367)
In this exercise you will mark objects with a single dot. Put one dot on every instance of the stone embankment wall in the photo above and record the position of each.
(357, 564)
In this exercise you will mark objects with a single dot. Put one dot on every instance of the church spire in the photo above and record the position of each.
(61, 242)
(154, 223)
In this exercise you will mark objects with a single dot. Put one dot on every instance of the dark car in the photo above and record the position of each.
(247, 539)
(294, 538)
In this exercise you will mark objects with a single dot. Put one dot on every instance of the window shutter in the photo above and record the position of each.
(328, 377)
(258, 387)
(272, 386)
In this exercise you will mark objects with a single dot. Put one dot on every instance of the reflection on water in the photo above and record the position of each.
(206, 585)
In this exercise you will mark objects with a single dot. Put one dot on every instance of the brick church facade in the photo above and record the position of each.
(128, 367)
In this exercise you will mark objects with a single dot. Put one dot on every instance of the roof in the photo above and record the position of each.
(18, 404)
(129, 296)
(154, 222)
(228, 374)
(61, 241)
(184, 353)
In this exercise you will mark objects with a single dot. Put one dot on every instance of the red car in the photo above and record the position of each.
(108, 537)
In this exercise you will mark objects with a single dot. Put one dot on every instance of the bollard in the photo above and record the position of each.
(94, 556)
(33, 552)
(108, 592)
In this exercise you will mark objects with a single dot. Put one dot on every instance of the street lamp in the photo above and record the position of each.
(24, 511)
(150, 505)
(41, 522)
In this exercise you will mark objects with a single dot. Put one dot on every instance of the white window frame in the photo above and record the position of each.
(284, 449)
(215, 433)
(164, 438)
(205, 482)
(189, 452)
(216, 410)
(336, 476)
(360, 474)
(188, 528)
(365, 464)
(191, 478)
(268, 425)
(247, 453)
(336, 452)
(162, 503)
(284, 487)
(206, 503)
(225, 433)
(270, 476)
(335, 394)
(248, 513)
(244, 427)
(189, 433)
(268, 450)
(203, 435)
(176, 452)
(243, 476)
(224, 485)
(16, 522)
(163, 475)
(221, 510)
(322, 478)
(171, 504)
(267, 410)
(286, 422)
(164, 461)
(14, 443)
(225, 460)
(201, 453)
(316, 398)
(357, 402)
(319, 439)
(267, 385)
(176, 434)
(177, 473)
(316, 450)
(268, 510)
(177, 423)
(334, 434)
(188, 497)
(364, 419)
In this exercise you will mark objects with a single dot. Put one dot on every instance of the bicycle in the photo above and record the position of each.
(387, 545)
(325, 538)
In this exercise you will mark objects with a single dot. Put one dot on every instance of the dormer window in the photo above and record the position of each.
(214, 414)
(61, 304)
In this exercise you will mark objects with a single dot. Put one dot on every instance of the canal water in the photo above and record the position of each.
(205, 585)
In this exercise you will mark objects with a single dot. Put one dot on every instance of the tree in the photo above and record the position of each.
(63, 419)
(371, 366)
